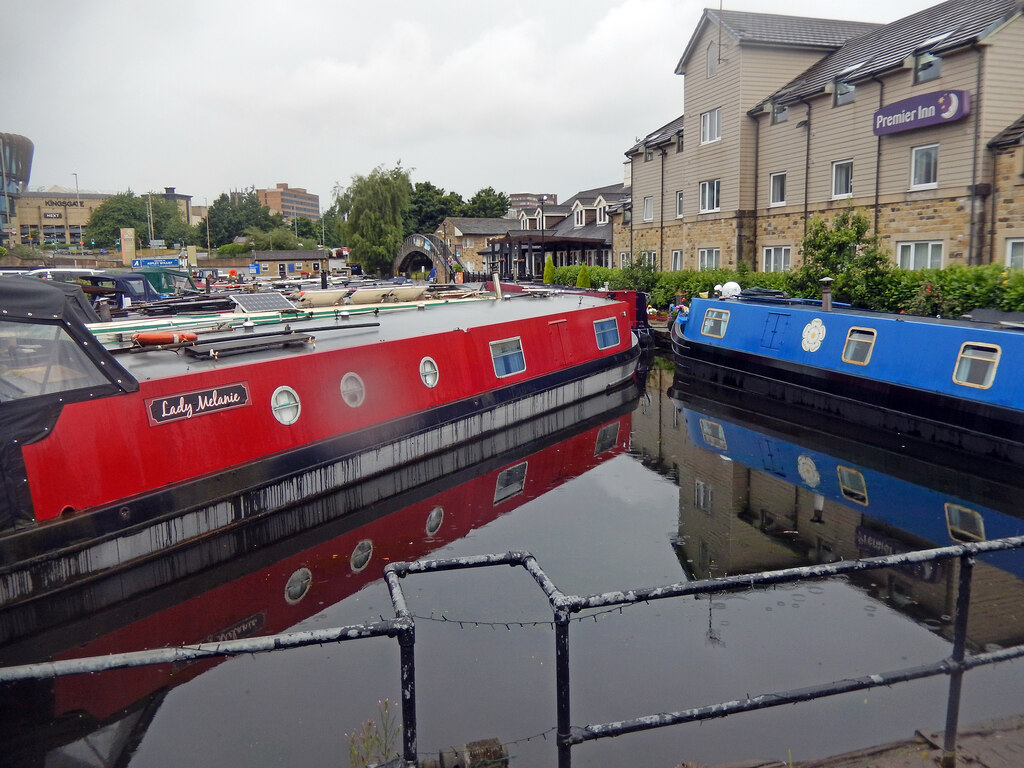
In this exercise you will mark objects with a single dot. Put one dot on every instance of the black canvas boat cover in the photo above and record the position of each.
(27, 297)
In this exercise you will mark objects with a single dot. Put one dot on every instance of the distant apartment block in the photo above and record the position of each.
(290, 202)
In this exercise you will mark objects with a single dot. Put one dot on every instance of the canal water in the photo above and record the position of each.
(633, 491)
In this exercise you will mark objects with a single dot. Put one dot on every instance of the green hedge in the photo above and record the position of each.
(949, 292)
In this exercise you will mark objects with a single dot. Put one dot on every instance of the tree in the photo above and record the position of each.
(549, 270)
(486, 204)
(232, 216)
(845, 252)
(429, 205)
(374, 209)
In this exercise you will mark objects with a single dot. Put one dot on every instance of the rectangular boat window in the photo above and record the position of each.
(510, 482)
(976, 365)
(860, 342)
(607, 438)
(607, 333)
(715, 322)
(508, 357)
(713, 434)
(40, 359)
(852, 485)
(964, 524)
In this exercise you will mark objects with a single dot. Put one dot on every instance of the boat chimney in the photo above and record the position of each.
(826, 294)
(497, 287)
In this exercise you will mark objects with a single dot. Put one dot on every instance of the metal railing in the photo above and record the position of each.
(565, 606)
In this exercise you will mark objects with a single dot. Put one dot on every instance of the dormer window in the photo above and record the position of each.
(648, 154)
(580, 217)
(844, 93)
(927, 67)
(780, 113)
(679, 142)
(602, 214)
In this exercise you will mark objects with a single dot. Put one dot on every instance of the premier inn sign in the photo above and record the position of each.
(922, 111)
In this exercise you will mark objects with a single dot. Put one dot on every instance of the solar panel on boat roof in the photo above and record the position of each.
(268, 301)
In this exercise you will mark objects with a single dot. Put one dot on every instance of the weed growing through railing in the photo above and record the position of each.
(373, 744)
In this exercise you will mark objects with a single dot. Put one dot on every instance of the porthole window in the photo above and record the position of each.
(428, 372)
(361, 555)
(298, 586)
(434, 520)
(353, 391)
(285, 405)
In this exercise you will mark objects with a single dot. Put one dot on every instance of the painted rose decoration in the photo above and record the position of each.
(814, 334)
(808, 471)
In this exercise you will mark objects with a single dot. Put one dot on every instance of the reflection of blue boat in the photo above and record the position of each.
(951, 384)
(929, 505)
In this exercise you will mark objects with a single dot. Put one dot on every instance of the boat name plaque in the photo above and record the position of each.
(163, 410)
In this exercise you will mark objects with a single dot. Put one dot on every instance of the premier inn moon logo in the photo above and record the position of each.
(188, 405)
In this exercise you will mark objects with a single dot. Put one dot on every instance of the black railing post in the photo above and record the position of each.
(963, 600)
(562, 687)
(407, 647)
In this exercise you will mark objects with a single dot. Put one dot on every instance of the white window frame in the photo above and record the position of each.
(711, 126)
(677, 261)
(1015, 253)
(602, 214)
(907, 256)
(649, 208)
(708, 258)
(679, 204)
(773, 197)
(838, 194)
(920, 158)
(776, 258)
(710, 196)
(579, 218)
(624, 260)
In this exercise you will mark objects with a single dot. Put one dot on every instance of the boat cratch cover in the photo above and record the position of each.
(47, 359)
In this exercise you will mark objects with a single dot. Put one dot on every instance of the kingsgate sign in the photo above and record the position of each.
(922, 111)
(62, 203)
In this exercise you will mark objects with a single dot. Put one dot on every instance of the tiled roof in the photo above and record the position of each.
(942, 27)
(1009, 136)
(474, 226)
(775, 29)
(663, 135)
(588, 196)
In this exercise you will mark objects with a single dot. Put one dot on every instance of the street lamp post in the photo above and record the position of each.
(78, 207)
(543, 224)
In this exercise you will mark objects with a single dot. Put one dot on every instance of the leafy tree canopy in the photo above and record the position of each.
(128, 210)
(374, 209)
(232, 216)
(429, 205)
(487, 204)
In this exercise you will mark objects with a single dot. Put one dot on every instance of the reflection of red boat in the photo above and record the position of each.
(464, 489)
(111, 455)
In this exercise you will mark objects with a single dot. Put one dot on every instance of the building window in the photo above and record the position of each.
(679, 142)
(677, 261)
(777, 183)
(708, 258)
(927, 67)
(844, 93)
(924, 167)
(508, 357)
(648, 209)
(920, 255)
(780, 113)
(602, 214)
(579, 218)
(712, 59)
(703, 496)
(711, 126)
(842, 179)
(679, 205)
(648, 154)
(1015, 253)
(777, 258)
(709, 192)
(623, 260)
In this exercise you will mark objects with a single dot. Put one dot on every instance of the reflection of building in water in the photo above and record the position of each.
(751, 501)
(659, 434)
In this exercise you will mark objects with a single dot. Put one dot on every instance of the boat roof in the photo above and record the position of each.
(262, 335)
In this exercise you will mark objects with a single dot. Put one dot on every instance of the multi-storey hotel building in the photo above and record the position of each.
(916, 124)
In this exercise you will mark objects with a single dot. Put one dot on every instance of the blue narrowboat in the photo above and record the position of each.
(937, 383)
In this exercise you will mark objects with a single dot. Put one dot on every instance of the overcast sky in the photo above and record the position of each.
(209, 96)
